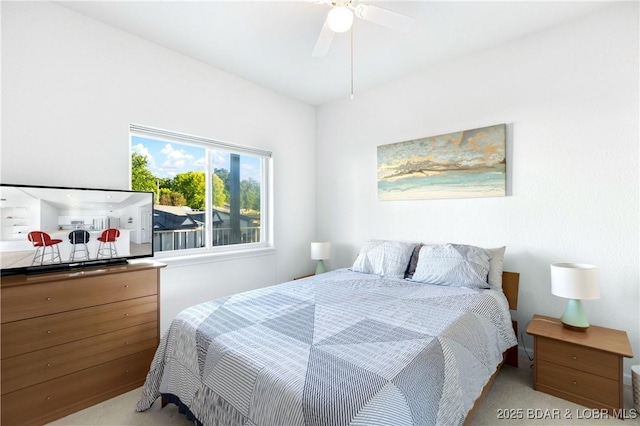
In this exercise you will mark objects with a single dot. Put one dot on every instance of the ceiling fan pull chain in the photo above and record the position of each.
(352, 63)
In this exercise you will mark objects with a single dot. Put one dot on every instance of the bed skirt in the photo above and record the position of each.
(168, 398)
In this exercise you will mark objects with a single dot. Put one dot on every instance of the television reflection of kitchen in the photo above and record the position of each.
(60, 211)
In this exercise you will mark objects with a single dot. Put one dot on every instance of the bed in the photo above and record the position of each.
(352, 346)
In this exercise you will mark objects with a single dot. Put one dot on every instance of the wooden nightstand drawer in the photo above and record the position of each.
(583, 367)
(577, 357)
(579, 383)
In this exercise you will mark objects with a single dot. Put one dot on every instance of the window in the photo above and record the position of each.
(209, 195)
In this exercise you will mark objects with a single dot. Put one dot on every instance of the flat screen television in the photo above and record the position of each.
(47, 228)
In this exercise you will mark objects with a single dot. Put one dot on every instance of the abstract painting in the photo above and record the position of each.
(470, 163)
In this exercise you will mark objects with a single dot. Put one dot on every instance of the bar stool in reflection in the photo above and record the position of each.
(107, 246)
(79, 240)
(43, 241)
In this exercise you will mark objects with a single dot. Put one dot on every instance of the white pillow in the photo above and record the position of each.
(455, 265)
(496, 265)
(384, 258)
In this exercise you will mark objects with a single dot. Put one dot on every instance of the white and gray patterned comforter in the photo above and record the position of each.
(341, 348)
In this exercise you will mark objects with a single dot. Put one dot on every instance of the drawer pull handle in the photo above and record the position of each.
(48, 331)
(48, 398)
(126, 286)
(575, 383)
(126, 371)
(48, 299)
(126, 315)
(575, 357)
(126, 343)
(48, 365)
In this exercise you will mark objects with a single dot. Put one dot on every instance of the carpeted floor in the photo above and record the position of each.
(512, 394)
(511, 401)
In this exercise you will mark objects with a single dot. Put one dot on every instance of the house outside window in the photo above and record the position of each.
(209, 195)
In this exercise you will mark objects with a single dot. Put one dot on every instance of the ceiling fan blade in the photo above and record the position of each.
(324, 41)
(386, 18)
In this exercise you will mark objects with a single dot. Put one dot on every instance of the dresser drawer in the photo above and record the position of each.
(35, 367)
(58, 397)
(34, 300)
(579, 357)
(579, 383)
(33, 334)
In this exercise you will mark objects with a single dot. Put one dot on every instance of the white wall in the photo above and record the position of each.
(570, 98)
(70, 88)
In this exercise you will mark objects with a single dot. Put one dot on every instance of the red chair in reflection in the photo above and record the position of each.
(43, 241)
(107, 246)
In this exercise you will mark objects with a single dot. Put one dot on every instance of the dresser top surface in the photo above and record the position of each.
(17, 280)
(601, 338)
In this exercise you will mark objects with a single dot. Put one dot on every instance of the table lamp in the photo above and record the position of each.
(575, 281)
(320, 252)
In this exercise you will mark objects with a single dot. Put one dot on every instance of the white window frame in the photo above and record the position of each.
(266, 194)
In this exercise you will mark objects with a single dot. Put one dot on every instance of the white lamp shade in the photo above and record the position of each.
(320, 251)
(340, 19)
(575, 281)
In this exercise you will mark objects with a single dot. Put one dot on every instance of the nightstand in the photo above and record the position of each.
(582, 367)
(303, 276)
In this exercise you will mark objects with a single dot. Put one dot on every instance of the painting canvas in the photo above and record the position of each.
(470, 163)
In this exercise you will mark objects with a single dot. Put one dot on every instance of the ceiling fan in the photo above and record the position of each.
(340, 18)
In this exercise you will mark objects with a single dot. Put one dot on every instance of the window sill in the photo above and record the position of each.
(173, 259)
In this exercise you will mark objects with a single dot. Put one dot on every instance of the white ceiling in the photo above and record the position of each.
(61, 198)
(270, 43)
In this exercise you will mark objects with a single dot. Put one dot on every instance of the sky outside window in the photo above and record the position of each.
(166, 159)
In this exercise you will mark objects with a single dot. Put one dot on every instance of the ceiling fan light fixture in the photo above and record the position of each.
(340, 19)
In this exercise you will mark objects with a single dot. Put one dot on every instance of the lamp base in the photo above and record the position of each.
(574, 317)
(574, 328)
(320, 268)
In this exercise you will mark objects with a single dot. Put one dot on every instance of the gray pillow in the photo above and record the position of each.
(384, 258)
(455, 265)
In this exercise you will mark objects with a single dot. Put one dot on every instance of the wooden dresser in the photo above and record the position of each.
(583, 367)
(72, 339)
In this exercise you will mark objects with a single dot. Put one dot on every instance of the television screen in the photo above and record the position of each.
(47, 228)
